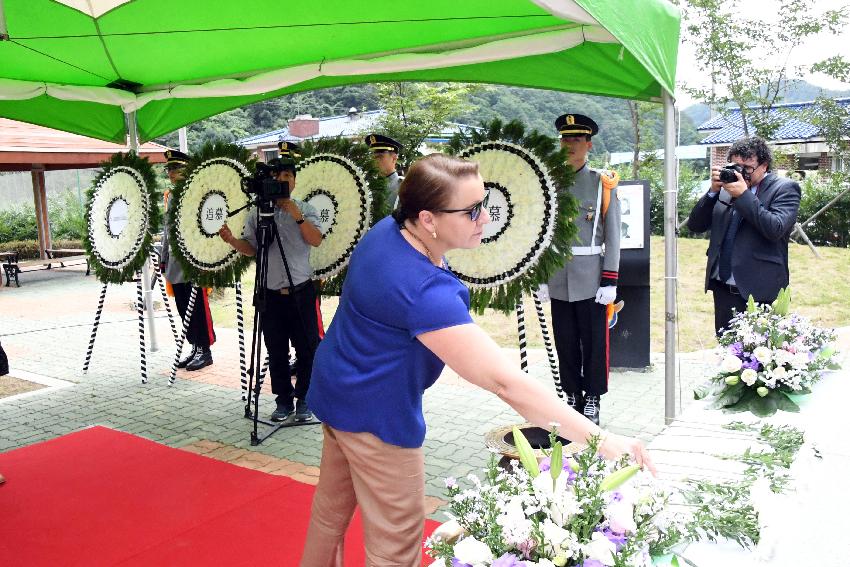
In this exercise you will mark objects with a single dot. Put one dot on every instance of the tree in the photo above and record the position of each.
(733, 52)
(415, 111)
(643, 116)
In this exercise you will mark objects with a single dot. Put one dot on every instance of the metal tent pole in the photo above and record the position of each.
(670, 256)
(146, 273)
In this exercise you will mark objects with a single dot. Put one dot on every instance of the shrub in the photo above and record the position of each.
(67, 215)
(832, 227)
(28, 249)
(18, 223)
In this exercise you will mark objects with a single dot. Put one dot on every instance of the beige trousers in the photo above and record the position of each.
(387, 482)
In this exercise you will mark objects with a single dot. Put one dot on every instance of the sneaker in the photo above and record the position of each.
(188, 359)
(302, 412)
(283, 411)
(572, 401)
(201, 360)
(591, 409)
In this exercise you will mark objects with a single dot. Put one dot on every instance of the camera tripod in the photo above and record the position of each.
(267, 233)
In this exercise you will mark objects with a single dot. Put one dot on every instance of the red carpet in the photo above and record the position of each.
(102, 497)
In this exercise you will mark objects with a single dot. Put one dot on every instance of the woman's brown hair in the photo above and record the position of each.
(429, 184)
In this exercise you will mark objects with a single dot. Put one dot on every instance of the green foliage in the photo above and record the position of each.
(832, 227)
(734, 55)
(721, 510)
(143, 166)
(233, 272)
(506, 296)
(415, 111)
(18, 223)
(67, 215)
(28, 249)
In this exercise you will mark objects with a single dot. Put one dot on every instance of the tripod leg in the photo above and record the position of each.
(94, 328)
(523, 351)
(186, 319)
(141, 308)
(240, 326)
(553, 362)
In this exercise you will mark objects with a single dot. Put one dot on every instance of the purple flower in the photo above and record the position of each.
(456, 563)
(750, 362)
(616, 496)
(618, 539)
(592, 563)
(546, 464)
(508, 560)
(737, 349)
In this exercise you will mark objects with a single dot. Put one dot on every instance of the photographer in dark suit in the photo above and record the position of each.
(750, 212)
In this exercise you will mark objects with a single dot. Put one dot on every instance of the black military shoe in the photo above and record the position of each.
(591, 409)
(201, 360)
(573, 400)
(188, 359)
(284, 409)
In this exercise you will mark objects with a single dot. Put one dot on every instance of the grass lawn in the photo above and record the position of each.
(820, 290)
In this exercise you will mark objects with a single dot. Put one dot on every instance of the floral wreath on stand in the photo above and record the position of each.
(532, 214)
(121, 214)
(204, 200)
(339, 178)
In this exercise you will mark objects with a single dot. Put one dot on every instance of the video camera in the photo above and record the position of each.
(727, 173)
(264, 183)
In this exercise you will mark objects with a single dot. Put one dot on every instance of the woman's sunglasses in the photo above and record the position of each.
(474, 211)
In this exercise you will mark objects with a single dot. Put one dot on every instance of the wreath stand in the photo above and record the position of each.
(547, 341)
(142, 290)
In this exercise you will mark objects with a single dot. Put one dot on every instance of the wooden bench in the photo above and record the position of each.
(12, 265)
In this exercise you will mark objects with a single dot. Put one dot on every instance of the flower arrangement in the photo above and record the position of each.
(560, 512)
(121, 214)
(528, 178)
(768, 354)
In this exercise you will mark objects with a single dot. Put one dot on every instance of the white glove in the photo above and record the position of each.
(543, 293)
(606, 294)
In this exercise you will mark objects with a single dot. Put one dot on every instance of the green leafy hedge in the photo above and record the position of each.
(28, 249)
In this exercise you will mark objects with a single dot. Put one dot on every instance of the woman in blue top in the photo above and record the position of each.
(402, 316)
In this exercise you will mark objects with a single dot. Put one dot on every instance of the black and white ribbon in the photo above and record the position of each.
(550, 352)
(94, 328)
(186, 319)
(240, 326)
(523, 350)
(140, 306)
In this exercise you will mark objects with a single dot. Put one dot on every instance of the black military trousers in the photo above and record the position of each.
(200, 332)
(581, 339)
(726, 299)
(293, 318)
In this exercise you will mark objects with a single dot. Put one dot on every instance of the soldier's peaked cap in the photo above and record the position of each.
(289, 150)
(576, 125)
(175, 158)
(379, 143)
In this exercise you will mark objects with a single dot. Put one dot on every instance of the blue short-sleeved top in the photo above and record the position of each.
(370, 371)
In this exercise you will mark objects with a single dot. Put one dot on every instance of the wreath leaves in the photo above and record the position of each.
(505, 296)
(232, 271)
(142, 166)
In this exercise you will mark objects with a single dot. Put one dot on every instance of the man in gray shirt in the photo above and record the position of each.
(291, 307)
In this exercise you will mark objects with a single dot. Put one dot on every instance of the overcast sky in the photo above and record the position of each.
(688, 71)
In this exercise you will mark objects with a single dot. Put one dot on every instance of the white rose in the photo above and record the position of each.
(731, 363)
(762, 354)
(779, 373)
(749, 376)
(600, 548)
(473, 552)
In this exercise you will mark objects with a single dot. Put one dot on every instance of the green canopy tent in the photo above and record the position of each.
(110, 69)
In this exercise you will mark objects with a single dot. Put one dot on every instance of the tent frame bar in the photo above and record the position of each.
(671, 194)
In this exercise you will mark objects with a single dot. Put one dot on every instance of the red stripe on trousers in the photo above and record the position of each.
(210, 330)
(319, 319)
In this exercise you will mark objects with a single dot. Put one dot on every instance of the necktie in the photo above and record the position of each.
(726, 247)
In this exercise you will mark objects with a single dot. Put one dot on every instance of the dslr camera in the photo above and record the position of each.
(264, 183)
(727, 173)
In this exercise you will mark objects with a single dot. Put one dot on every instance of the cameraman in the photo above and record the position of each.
(291, 312)
(750, 212)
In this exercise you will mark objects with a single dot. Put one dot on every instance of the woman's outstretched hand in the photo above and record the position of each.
(614, 446)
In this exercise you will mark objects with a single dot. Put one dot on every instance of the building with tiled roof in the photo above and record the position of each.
(306, 127)
(800, 142)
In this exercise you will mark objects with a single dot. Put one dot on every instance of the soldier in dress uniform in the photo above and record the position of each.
(386, 151)
(200, 333)
(582, 289)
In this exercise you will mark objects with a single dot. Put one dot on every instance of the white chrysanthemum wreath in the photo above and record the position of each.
(338, 189)
(523, 208)
(118, 217)
(213, 189)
